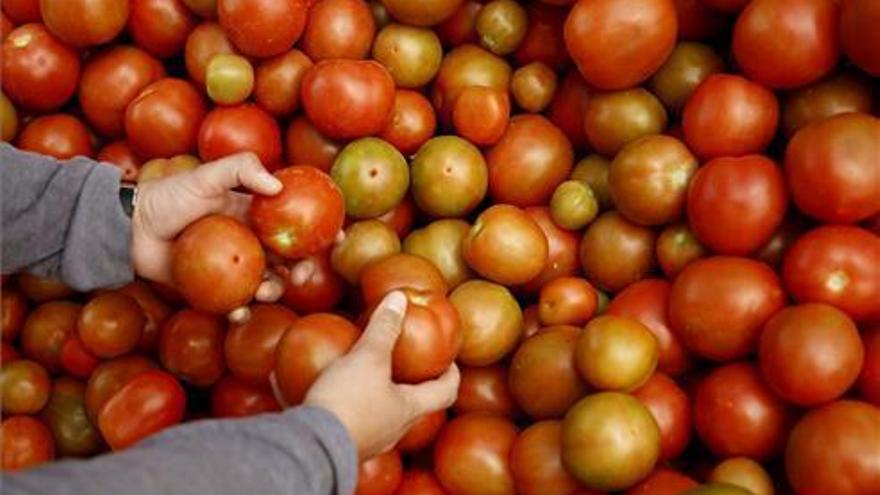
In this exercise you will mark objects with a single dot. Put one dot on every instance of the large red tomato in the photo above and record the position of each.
(111, 324)
(272, 26)
(22, 11)
(160, 27)
(313, 286)
(423, 432)
(430, 340)
(569, 106)
(380, 475)
(617, 44)
(719, 305)
(484, 390)
(305, 145)
(671, 408)
(164, 119)
(39, 72)
(109, 377)
(400, 271)
(61, 136)
(562, 250)
(412, 122)
(191, 346)
(147, 404)
(339, 29)
(471, 456)
(85, 22)
(860, 38)
(250, 346)
(229, 130)
(536, 461)
(25, 443)
(233, 398)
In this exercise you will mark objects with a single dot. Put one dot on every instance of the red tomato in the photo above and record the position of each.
(109, 377)
(155, 309)
(419, 482)
(472, 454)
(164, 119)
(735, 205)
(859, 35)
(272, 26)
(250, 346)
(76, 360)
(430, 340)
(544, 41)
(562, 250)
(305, 145)
(61, 136)
(25, 443)
(400, 271)
(506, 246)
(347, 99)
(120, 155)
(339, 29)
(401, 217)
(869, 380)
(568, 107)
(8, 353)
(423, 432)
(460, 27)
(6, 26)
(663, 482)
(23, 11)
(671, 408)
(617, 44)
(233, 398)
(481, 114)
(45, 330)
(313, 286)
(85, 22)
(746, 111)
(754, 425)
(697, 21)
(412, 122)
(787, 43)
(484, 390)
(160, 26)
(380, 475)
(278, 82)
(567, 301)
(247, 127)
(147, 404)
(536, 461)
(111, 324)
(39, 72)
(191, 346)
(837, 265)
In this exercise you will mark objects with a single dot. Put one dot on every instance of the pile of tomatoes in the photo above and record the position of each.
(647, 231)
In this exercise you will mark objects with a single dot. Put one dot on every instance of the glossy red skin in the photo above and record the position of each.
(718, 305)
(412, 123)
(671, 408)
(60, 135)
(315, 288)
(109, 377)
(481, 114)
(339, 29)
(419, 482)
(663, 482)
(735, 205)
(837, 265)
(233, 398)
(543, 41)
(250, 347)
(755, 425)
(728, 115)
(147, 404)
(25, 443)
(460, 27)
(810, 354)
(204, 42)
(39, 71)
(229, 130)
(430, 340)
(506, 246)
(164, 119)
(160, 26)
(22, 11)
(305, 145)
(859, 37)
(348, 99)
(785, 44)
(567, 301)
(155, 309)
(831, 166)
(12, 313)
(617, 44)
(400, 271)
(401, 217)
(562, 250)
(869, 379)
(380, 475)
(568, 107)
(191, 347)
(484, 390)
(45, 330)
(423, 432)
(278, 81)
(111, 324)
(272, 26)
(833, 449)
(697, 21)
(76, 360)
(531, 159)
(41, 289)
(647, 302)
(471, 456)
(85, 22)
(120, 155)
(536, 461)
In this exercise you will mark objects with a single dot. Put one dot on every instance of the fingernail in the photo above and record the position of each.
(272, 183)
(396, 301)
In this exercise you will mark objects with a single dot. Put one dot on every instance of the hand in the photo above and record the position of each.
(358, 389)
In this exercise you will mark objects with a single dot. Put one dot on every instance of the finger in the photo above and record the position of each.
(242, 169)
(237, 206)
(271, 289)
(301, 272)
(434, 395)
(384, 327)
(239, 316)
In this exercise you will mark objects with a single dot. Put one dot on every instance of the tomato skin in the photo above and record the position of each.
(85, 22)
(111, 324)
(400, 271)
(617, 44)
(568, 107)
(466, 66)
(305, 145)
(13, 312)
(544, 40)
(229, 130)
(314, 287)
(250, 347)
(120, 155)
(164, 119)
(60, 135)
(191, 346)
(787, 43)
(45, 330)
(869, 380)
(76, 360)
(471, 456)
(39, 72)
(419, 482)
(567, 301)
(160, 27)
(412, 123)
(505, 246)
(837, 265)
(146, 405)
(23, 11)
(423, 432)
(233, 398)
(273, 25)
(562, 250)
(109, 377)
(615, 252)
(380, 475)
(831, 166)
(698, 21)
(859, 36)
(66, 416)
(26, 443)
(663, 481)
(339, 29)
(430, 340)
(203, 43)
(481, 115)
(836, 439)
(536, 461)
(671, 408)
(484, 390)
(844, 92)
(278, 82)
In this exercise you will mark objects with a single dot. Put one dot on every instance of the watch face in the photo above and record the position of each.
(127, 195)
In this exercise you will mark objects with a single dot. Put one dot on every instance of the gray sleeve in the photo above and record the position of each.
(63, 220)
(303, 451)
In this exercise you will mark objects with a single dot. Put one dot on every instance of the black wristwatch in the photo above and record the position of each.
(128, 198)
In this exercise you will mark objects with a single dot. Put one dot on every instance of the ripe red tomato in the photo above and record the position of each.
(160, 27)
(663, 481)
(111, 325)
(471, 456)
(12, 313)
(748, 113)
(430, 340)
(481, 115)
(45, 330)
(164, 119)
(23, 11)
(155, 309)
(347, 99)
(120, 155)
(837, 265)
(229, 130)
(272, 26)
(380, 475)
(61, 136)
(305, 145)
(400, 271)
(233, 398)
(562, 250)
(313, 286)
(339, 29)
(26, 443)
(412, 122)
(869, 380)
(787, 43)
(536, 461)
(191, 346)
(203, 43)
(146, 405)
(859, 36)
(506, 246)
(617, 44)
(109, 377)
(754, 425)
(719, 305)
(567, 301)
(250, 346)
(423, 432)
(278, 82)
(735, 205)
(698, 21)
(671, 408)
(76, 360)
(568, 107)
(419, 482)
(544, 41)
(39, 72)
(85, 22)
(484, 390)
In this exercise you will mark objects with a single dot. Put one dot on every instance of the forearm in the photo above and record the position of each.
(303, 451)
(63, 221)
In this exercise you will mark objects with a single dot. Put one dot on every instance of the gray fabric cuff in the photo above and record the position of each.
(336, 440)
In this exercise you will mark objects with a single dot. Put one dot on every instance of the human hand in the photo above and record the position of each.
(358, 389)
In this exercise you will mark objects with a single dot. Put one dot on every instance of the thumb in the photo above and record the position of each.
(241, 169)
(434, 395)
(385, 326)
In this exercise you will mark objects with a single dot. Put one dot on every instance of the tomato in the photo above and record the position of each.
(620, 43)
(832, 440)
(593, 171)
(380, 475)
(278, 82)
(41, 289)
(460, 27)
(822, 365)
(440, 243)
(203, 8)
(449, 177)
(609, 441)
(65, 415)
(160, 27)
(373, 177)
(25, 385)
(205, 42)
(412, 123)
(567, 301)
(858, 36)
(647, 301)
(273, 26)
(85, 22)
(423, 432)
(718, 489)
(120, 155)
(463, 67)
(543, 378)
(748, 112)
(505, 245)
(615, 118)
(533, 86)
(45, 330)
(111, 324)
(562, 250)
(677, 246)
(832, 168)
(229, 79)
(430, 339)
(250, 346)
(484, 390)
(501, 26)
(568, 107)
(543, 41)
(663, 481)
(471, 456)
(164, 119)
(616, 353)
(400, 271)
(8, 119)
(869, 379)
(754, 425)
(348, 99)
(419, 482)
(401, 217)
(719, 305)
(338, 29)
(233, 398)
(422, 14)
(23, 11)
(309, 345)
(697, 20)
(787, 43)
(412, 55)
(671, 409)
(109, 377)
(155, 309)
(26, 443)
(39, 71)
(76, 360)
(745, 473)
(229, 130)
(536, 461)
(191, 347)
(12, 313)
(491, 321)
(365, 242)
(61, 136)
(837, 265)
(217, 264)
(615, 252)
(146, 405)
(481, 114)
(688, 65)
(844, 92)
(306, 146)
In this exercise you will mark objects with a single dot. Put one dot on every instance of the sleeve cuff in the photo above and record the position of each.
(336, 441)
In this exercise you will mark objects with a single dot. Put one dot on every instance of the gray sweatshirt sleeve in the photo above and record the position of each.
(302, 451)
(63, 220)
